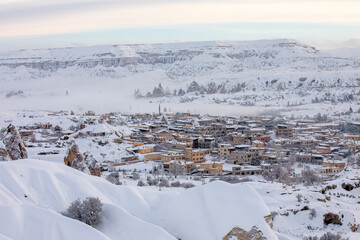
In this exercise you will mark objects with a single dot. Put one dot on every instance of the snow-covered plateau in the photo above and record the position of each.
(205, 77)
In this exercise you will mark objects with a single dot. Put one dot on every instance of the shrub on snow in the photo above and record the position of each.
(327, 236)
(187, 185)
(114, 178)
(89, 211)
(175, 184)
(141, 183)
(164, 183)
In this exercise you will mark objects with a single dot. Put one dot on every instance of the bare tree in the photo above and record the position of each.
(308, 176)
(312, 214)
(135, 176)
(326, 236)
(278, 173)
(176, 170)
(299, 197)
(164, 183)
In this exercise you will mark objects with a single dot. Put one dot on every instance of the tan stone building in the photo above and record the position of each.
(212, 168)
(172, 156)
(284, 131)
(242, 157)
(225, 150)
(334, 163)
(239, 138)
(195, 155)
(154, 156)
(247, 170)
(184, 167)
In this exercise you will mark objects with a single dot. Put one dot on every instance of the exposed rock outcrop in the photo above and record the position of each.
(349, 187)
(323, 190)
(75, 159)
(240, 234)
(94, 166)
(4, 155)
(85, 163)
(332, 218)
(12, 147)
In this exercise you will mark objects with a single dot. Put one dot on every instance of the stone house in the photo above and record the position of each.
(180, 166)
(194, 155)
(309, 158)
(172, 156)
(212, 168)
(334, 163)
(154, 156)
(248, 170)
(284, 131)
(238, 138)
(225, 150)
(242, 157)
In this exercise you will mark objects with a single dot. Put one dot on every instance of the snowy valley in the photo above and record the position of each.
(252, 140)
(178, 176)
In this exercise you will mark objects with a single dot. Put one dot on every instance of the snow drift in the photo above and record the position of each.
(34, 192)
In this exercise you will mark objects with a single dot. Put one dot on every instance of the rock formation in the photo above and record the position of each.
(332, 218)
(12, 147)
(85, 163)
(240, 234)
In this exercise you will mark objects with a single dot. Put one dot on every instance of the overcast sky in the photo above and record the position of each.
(44, 23)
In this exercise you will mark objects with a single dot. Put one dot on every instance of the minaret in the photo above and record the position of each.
(159, 109)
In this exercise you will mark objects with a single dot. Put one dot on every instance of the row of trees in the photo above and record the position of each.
(163, 182)
(285, 174)
(346, 97)
(349, 127)
(326, 236)
(194, 87)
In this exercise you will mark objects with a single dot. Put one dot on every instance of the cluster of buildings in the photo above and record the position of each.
(213, 145)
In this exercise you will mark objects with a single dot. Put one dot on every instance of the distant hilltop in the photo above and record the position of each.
(279, 72)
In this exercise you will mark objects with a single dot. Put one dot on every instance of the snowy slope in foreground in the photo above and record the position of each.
(205, 212)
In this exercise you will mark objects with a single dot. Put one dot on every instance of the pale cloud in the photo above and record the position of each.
(26, 18)
(253, 31)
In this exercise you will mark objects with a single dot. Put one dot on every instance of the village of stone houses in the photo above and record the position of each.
(261, 177)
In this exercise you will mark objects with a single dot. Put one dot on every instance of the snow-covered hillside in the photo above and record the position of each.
(180, 59)
(34, 192)
(262, 73)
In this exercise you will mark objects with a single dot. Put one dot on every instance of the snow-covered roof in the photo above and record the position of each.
(98, 128)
